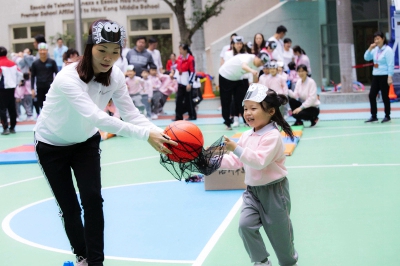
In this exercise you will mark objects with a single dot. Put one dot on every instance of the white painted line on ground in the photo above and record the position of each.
(365, 126)
(7, 229)
(21, 181)
(350, 135)
(8, 139)
(131, 160)
(214, 239)
(343, 165)
(106, 164)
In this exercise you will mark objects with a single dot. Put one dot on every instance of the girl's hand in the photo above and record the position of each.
(157, 141)
(229, 144)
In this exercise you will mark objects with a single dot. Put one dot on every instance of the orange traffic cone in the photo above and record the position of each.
(208, 92)
(392, 94)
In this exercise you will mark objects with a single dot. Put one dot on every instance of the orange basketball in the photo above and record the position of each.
(189, 138)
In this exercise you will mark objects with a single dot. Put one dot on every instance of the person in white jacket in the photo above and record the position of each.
(304, 100)
(67, 135)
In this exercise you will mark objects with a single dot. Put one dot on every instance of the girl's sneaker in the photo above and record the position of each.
(268, 263)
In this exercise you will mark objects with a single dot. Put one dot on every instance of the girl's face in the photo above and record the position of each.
(302, 73)
(296, 53)
(172, 57)
(104, 56)
(238, 46)
(130, 74)
(273, 71)
(258, 39)
(256, 116)
(378, 40)
(287, 45)
(266, 70)
(182, 51)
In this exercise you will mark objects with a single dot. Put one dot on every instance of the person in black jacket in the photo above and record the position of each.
(139, 56)
(43, 71)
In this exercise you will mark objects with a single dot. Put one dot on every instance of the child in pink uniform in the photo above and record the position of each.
(266, 201)
(169, 85)
(277, 83)
(135, 87)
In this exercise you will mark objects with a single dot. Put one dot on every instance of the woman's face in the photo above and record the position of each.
(35, 44)
(302, 73)
(238, 46)
(258, 39)
(287, 45)
(104, 56)
(172, 57)
(378, 40)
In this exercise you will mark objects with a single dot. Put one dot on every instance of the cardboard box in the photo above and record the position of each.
(225, 180)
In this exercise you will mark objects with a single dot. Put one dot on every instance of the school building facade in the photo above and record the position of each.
(310, 24)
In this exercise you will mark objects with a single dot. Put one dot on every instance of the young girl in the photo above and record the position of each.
(135, 87)
(276, 82)
(23, 96)
(266, 201)
(169, 85)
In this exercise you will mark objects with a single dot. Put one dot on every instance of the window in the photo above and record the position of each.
(157, 27)
(22, 36)
(139, 25)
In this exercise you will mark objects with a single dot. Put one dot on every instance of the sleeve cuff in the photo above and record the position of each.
(238, 151)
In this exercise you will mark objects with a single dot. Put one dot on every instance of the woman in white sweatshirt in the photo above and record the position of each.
(67, 135)
(304, 99)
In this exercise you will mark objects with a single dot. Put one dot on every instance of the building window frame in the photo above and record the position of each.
(29, 39)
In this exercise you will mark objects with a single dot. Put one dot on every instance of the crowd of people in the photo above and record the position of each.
(279, 69)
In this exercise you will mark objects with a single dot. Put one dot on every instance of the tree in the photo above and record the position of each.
(199, 16)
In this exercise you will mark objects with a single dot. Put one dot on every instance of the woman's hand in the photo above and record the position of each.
(229, 144)
(297, 110)
(188, 87)
(390, 80)
(157, 141)
(372, 46)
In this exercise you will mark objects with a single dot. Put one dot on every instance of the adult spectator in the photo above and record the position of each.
(304, 99)
(25, 62)
(231, 80)
(71, 55)
(301, 58)
(139, 56)
(278, 38)
(152, 49)
(38, 39)
(43, 71)
(382, 73)
(59, 52)
(185, 75)
(171, 63)
(226, 48)
(258, 43)
(10, 76)
(288, 55)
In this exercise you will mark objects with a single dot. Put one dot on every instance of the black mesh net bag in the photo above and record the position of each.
(206, 162)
